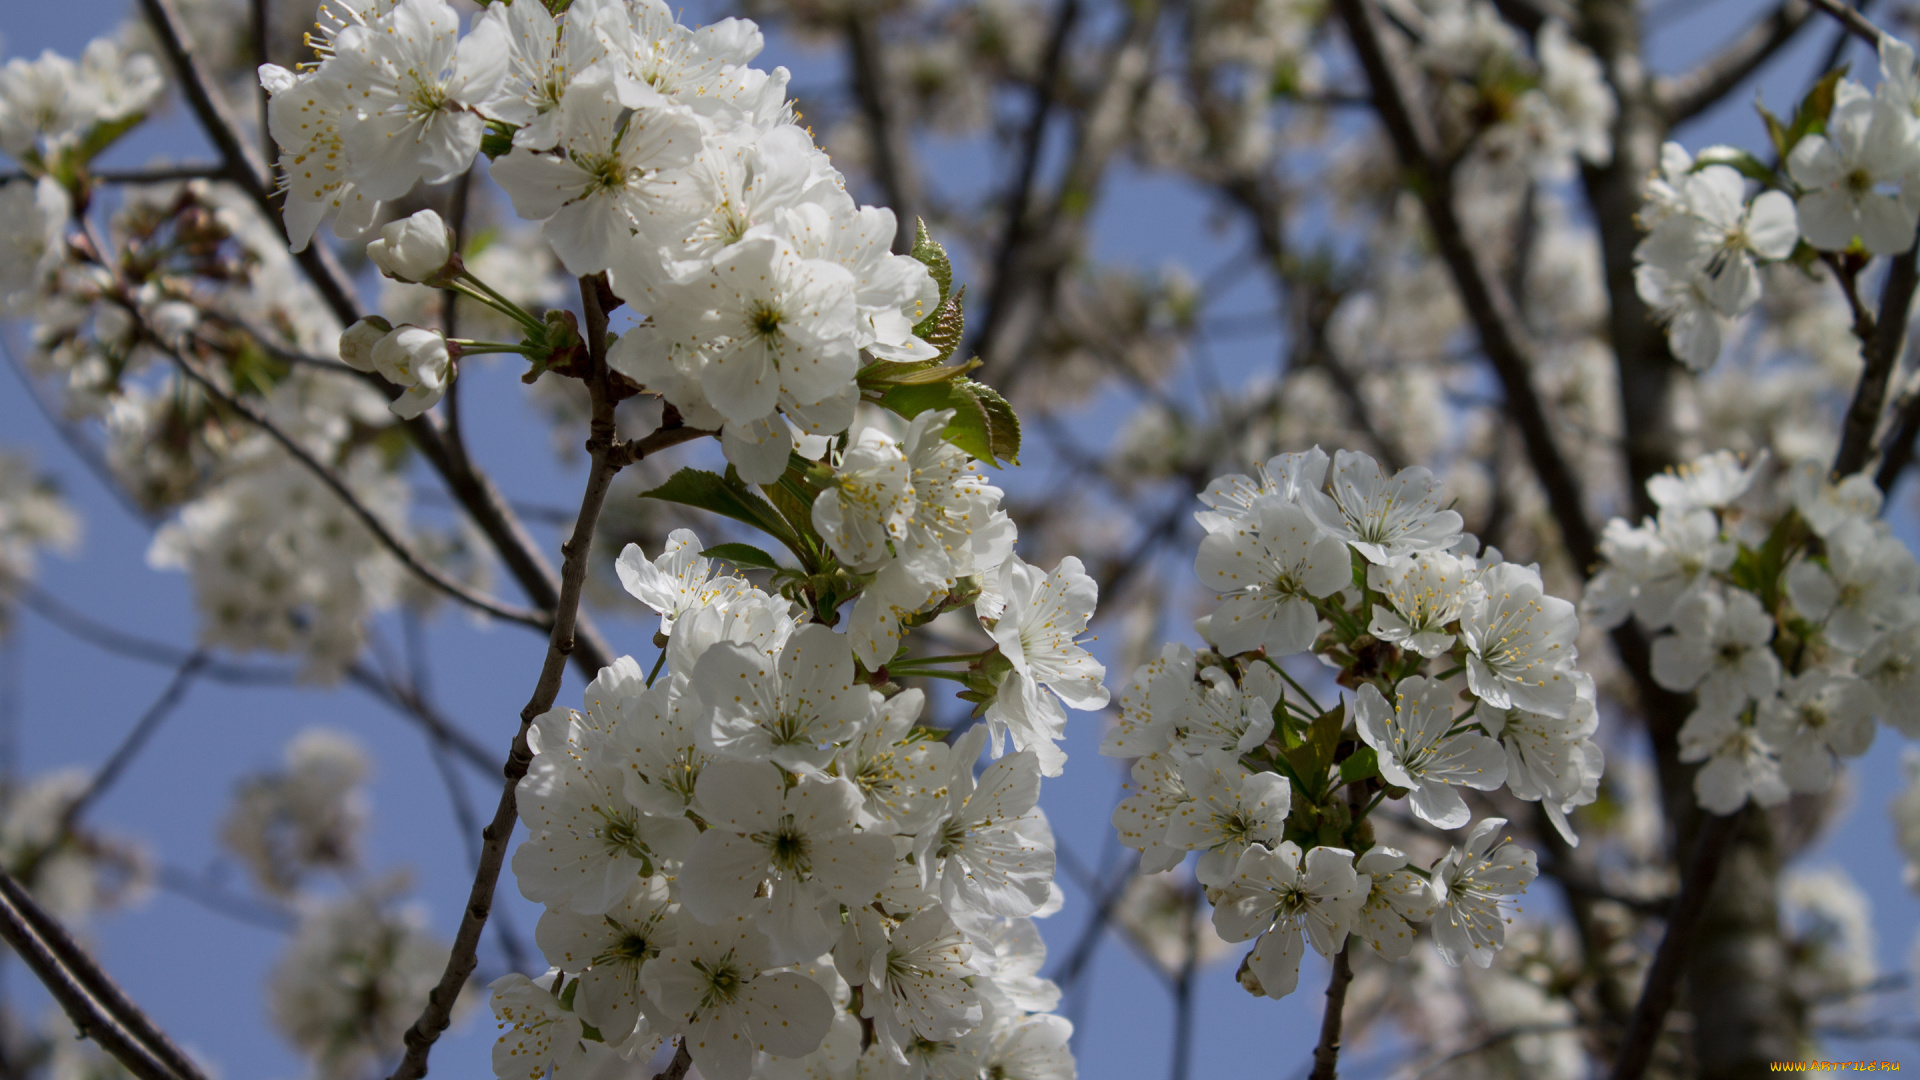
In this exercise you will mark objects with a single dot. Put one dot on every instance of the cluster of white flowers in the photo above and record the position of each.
(759, 849)
(646, 149)
(355, 975)
(1793, 634)
(1849, 186)
(1238, 763)
(304, 818)
(1544, 111)
(280, 562)
(33, 517)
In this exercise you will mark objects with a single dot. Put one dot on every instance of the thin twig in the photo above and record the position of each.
(208, 895)
(94, 981)
(1857, 24)
(1663, 978)
(131, 746)
(1686, 96)
(400, 550)
(601, 449)
(1326, 1054)
(1183, 986)
(1020, 198)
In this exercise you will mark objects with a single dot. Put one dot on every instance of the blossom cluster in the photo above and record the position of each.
(647, 150)
(1848, 181)
(1793, 630)
(1237, 761)
(761, 848)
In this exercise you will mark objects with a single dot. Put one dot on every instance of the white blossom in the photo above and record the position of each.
(1270, 568)
(1277, 895)
(1419, 750)
(1472, 885)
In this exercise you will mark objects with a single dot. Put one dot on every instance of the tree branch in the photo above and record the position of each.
(471, 487)
(1326, 1055)
(601, 448)
(427, 572)
(893, 165)
(1881, 338)
(1683, 97)
(1857, 24)
(1663, 978)
(678, 1067)
(123, 755)
(1487, 303)
(87, 1016)
(19, 911)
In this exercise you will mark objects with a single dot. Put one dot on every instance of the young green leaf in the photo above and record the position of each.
(745, 555)
(728, 497)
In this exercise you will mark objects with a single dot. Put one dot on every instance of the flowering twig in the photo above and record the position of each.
(1881, 335)
(472, 488)
(64, 968)
(573, 574)
(1487, 303)
(427, 572)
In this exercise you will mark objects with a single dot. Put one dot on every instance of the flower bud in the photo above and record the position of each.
(357, 343)
(422, 361)
(410, 356)
(415, 248)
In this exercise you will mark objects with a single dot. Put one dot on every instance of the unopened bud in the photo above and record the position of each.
(356, 344)
(415, 248)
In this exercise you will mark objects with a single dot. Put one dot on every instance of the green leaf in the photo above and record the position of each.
(742, 555)
(968, 428)
(1003, 425)
(105, 134)
(497, 140)
(1744, 163)
(1324, 735)
(929, 252)
(1362, 764)
(566, 995)
(946, 326)
(1811, 117)
(728, 497)
(983, 424)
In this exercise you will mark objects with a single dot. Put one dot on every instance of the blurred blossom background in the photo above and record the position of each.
(1241, 274)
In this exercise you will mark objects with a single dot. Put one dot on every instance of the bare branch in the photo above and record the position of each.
(892, 149)
(1326, 1055)
(678, 1067)
(1857, 24)
(87, 1016)
(129, 747)
(1685, 96)
(1487, 302)
(19, 911)
(1663, 978)
(1020, 198)
(1881, 337)
(427, 572)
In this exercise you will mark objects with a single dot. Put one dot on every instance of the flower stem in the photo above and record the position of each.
(470, 286)
(1301, 690)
